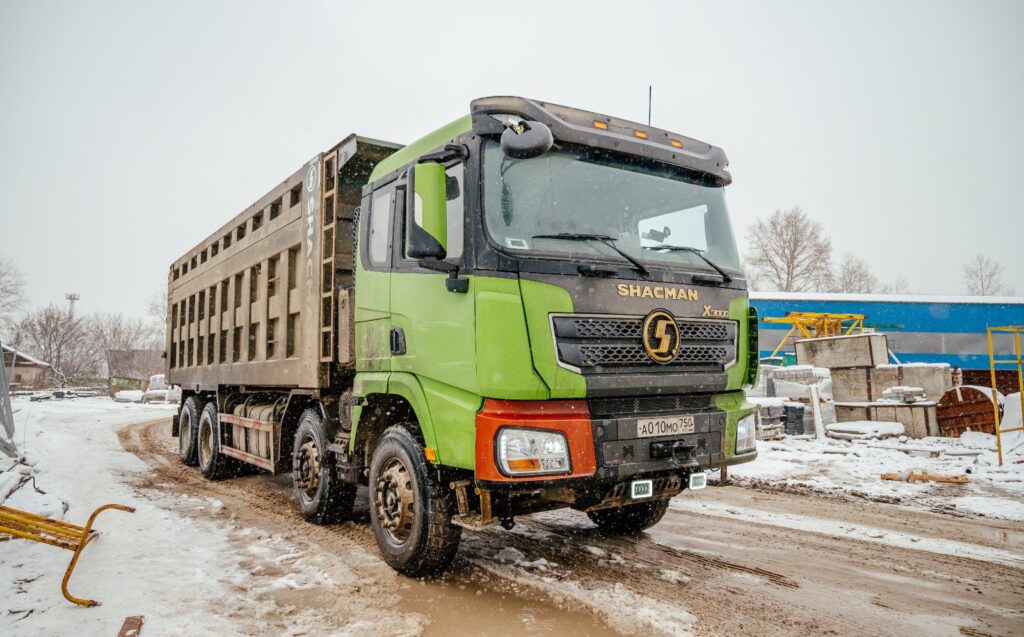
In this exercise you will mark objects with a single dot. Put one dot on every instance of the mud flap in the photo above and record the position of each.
(174, 426)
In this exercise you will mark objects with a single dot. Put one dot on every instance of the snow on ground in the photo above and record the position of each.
(187, 575)
(853, 469)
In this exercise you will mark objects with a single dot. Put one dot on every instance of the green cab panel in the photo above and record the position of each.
(505, 361)
(735, 406)
(738, 312)
(540, 300)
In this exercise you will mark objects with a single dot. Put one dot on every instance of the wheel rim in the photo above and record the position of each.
(308, 474)
(185, 433)
(205, 443)
(394, 500)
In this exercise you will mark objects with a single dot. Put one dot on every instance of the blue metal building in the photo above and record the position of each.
(920, 328)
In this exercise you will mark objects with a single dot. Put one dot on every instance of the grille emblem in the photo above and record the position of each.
(661, 336)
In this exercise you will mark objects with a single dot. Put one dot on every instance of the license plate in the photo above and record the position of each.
(698, 481)
(640, 489)
(665, 426)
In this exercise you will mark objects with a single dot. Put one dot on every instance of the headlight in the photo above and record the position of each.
(746, 439)
(532, 451)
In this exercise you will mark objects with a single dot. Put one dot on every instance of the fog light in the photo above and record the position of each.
(532, 451)
(746, 439)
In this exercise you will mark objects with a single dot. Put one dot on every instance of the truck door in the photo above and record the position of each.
(373, 282)
(433, 333)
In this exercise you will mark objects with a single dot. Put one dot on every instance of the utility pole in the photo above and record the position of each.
(72, 297)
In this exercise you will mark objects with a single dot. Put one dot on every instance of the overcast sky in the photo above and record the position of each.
(129, 131)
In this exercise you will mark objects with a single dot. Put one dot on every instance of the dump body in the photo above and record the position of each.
(264, 300)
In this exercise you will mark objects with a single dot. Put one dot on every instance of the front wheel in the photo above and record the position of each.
(631, 518)
(322, 497)
(410, 510)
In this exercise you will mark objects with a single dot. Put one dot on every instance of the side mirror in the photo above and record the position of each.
(427, 199)
(526, 139)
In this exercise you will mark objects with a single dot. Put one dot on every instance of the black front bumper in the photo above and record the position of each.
(621, 456)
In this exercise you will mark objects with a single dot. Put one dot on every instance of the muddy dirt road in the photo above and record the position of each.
(724, 561)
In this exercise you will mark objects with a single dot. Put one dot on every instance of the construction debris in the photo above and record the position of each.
(37, 528)
(922, 475)
(864, 429)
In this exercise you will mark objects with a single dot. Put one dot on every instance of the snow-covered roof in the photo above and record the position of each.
(885, 298)
(22, 357)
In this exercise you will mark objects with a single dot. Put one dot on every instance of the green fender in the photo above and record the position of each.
(398, 384)
(456, 409)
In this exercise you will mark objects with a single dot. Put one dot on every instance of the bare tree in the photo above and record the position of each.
(789, 252)
(58, 338)
(156, 307)
(12, 290)
(984, 277)
(898, 286)
(115, 335)
(854, 276)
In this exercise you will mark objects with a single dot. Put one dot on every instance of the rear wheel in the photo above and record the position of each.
(410, 510)
(322, 497)
(188, 421)
(212, 462)
(628, 519)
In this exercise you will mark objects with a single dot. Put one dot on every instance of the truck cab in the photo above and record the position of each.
(555, 296)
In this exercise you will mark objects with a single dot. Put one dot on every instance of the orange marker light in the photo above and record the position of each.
(640, 134)
(430, 453)
(601, 125)
(677, 143)
(525, 464)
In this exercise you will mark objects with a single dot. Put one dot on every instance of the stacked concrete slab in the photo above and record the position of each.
(861, 374)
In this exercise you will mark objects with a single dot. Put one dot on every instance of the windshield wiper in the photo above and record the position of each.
(700, 253)
(605, 239)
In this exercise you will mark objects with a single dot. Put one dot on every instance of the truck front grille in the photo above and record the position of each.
(614, 343)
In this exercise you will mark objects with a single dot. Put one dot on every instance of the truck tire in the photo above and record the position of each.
(322, 497)
(410, 509)
(212, 463)
(631, 518)
(188, 431)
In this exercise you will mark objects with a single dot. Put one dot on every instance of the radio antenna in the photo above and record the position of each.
(650, 99)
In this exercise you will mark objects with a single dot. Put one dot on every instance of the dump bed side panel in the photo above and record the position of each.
(243, 306)
(266, 300)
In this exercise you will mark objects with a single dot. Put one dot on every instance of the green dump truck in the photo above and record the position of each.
(532, 307)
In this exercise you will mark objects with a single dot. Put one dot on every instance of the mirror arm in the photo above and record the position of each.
(446, 154)
(453, 283)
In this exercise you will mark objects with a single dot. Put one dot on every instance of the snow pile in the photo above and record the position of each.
(858, 429)
(175, 560)
(129, 396)
(853, 468)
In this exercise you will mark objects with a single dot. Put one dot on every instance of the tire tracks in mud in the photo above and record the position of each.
(827, 584)
(624, 566)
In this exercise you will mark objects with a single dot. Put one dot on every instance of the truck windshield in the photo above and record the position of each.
(645, 210)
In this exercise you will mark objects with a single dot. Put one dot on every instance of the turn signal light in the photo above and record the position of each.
(525, 464)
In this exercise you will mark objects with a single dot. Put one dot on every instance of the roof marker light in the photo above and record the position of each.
(640, 134)
(677, 143)
(601, 125)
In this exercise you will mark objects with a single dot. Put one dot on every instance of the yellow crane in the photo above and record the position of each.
(817, 325)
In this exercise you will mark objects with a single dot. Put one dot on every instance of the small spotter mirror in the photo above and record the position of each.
(525, 139)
